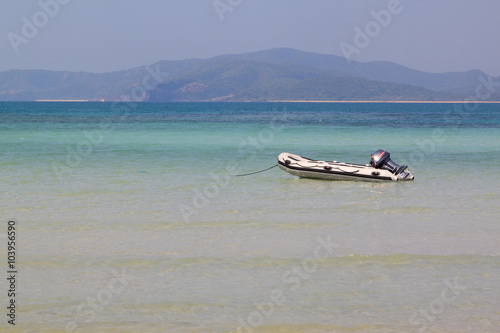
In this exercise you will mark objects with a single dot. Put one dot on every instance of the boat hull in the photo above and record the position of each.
(332, 170)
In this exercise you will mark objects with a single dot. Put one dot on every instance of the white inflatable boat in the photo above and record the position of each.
(381, 168)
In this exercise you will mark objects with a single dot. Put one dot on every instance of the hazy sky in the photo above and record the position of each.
(107, 35)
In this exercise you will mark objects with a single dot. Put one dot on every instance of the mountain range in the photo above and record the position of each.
(272, 75)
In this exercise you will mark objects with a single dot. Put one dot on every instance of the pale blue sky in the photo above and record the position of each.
(107, 35)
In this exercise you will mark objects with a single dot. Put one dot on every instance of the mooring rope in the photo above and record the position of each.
(253, 173)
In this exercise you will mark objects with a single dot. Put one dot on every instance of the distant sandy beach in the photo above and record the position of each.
(436, 102)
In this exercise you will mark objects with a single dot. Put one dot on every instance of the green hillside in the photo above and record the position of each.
(276, 74)
(256, 81)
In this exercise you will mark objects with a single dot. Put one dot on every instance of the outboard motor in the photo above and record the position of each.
(381, 159)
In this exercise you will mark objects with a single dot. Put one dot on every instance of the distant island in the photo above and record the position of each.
(272, 75)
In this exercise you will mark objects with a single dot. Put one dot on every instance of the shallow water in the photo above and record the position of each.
(130, 218)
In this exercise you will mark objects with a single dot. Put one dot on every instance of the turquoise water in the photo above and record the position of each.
(130, 218)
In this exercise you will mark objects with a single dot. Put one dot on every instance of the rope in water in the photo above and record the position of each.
(253, 173)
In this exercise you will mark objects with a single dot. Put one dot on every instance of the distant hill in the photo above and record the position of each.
(276, 74)
(258, 81)
(454, 82)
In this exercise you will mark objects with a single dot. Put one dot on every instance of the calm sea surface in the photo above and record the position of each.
(129, 218)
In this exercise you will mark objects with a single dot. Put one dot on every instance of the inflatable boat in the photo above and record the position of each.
(381, 168)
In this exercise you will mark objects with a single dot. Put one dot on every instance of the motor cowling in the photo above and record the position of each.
(381, 159)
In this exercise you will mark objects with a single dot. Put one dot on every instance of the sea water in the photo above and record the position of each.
(130, 217)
